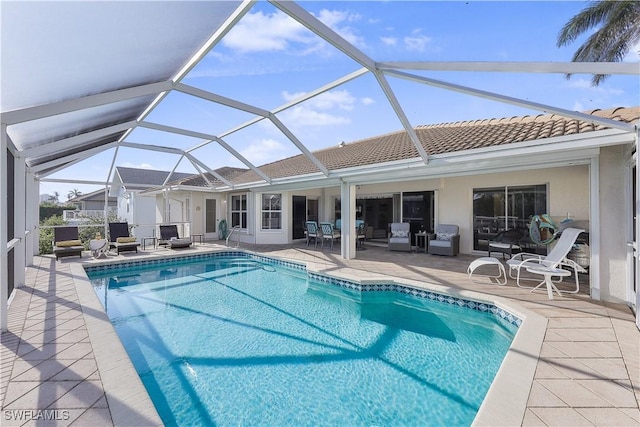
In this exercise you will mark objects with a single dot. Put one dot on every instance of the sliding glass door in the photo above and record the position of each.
(503, 208)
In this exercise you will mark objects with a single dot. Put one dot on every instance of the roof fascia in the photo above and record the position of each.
(209, 138)
(621, 68)
(77, 140)
(513, 101)
(319, 28)
(89, 101)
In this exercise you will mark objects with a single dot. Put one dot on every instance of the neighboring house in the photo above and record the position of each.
(485, 176)
(138, 210)
(90, 205)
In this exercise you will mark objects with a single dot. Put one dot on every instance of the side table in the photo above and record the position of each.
(417, 237)
(145, 239)
(200, 238)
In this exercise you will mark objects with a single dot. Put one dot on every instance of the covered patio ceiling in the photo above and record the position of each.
(79, 77)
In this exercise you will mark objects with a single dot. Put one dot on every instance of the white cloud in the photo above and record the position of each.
(264, 151)
(367, 101)
(136, 165)
(583, 83)
(634, 54)
(340, 99)
(258, 32)
(389, 41)
(335, 19)
(416, 41)
(577, 106)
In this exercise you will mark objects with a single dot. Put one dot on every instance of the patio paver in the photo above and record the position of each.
(52, 360)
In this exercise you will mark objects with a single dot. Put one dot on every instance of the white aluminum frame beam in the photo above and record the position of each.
(211, 171)
(77, 140)
(276, 121)
(149, 147)
(613, 68)
(71, 159)
(4, 234)
(615, 124)
(89, 101)
(208, 139)
(320, 29)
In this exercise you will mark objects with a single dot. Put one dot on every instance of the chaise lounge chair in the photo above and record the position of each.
(120, 239)
(66, 242)
(169, 237)
(549, 266)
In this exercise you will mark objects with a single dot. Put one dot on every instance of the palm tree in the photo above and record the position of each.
(619, 32)
(55, 197)
(73, 194)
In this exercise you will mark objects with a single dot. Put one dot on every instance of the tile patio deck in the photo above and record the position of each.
(62, 364)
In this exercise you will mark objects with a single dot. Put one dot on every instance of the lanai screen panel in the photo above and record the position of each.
(56, 51)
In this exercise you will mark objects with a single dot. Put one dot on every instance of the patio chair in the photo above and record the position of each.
(169, 237)
(361, 235)
(400, 237)
(66, 242)
(508, 242)
(445, 241)
(312, 232)
(120, 239)
(327, 232)
(549, 266)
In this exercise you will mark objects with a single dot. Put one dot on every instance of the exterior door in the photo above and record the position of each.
(299, 216)
(210, 218)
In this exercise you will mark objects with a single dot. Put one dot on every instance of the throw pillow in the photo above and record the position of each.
(443, 236)
(68, 243)
(125, 239)
(399, 233)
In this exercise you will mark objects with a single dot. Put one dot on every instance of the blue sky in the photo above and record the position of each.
(268, 60)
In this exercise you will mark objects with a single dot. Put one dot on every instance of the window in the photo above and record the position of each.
(239, 211)
(503, 208)
(271, 211)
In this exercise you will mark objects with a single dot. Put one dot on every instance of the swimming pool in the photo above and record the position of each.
(234, 339)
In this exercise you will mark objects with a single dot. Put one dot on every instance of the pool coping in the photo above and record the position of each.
(512, 382)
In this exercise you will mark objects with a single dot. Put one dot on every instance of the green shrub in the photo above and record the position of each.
(46, 234)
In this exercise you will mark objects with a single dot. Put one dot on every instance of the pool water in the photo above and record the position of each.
(232, 341)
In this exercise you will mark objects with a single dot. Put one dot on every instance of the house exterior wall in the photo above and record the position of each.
(568, 193)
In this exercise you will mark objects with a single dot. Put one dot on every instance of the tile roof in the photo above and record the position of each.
(440, 139)
(436, 139)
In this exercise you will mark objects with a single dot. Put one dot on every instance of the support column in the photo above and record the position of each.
(4, 218)
(348, 219)
(32, 204)
(636, 210)
(594, 225)
(20, 221)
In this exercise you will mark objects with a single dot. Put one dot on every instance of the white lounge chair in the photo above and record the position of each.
(549, 266)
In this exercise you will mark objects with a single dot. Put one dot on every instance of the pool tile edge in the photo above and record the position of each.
(128, 400)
